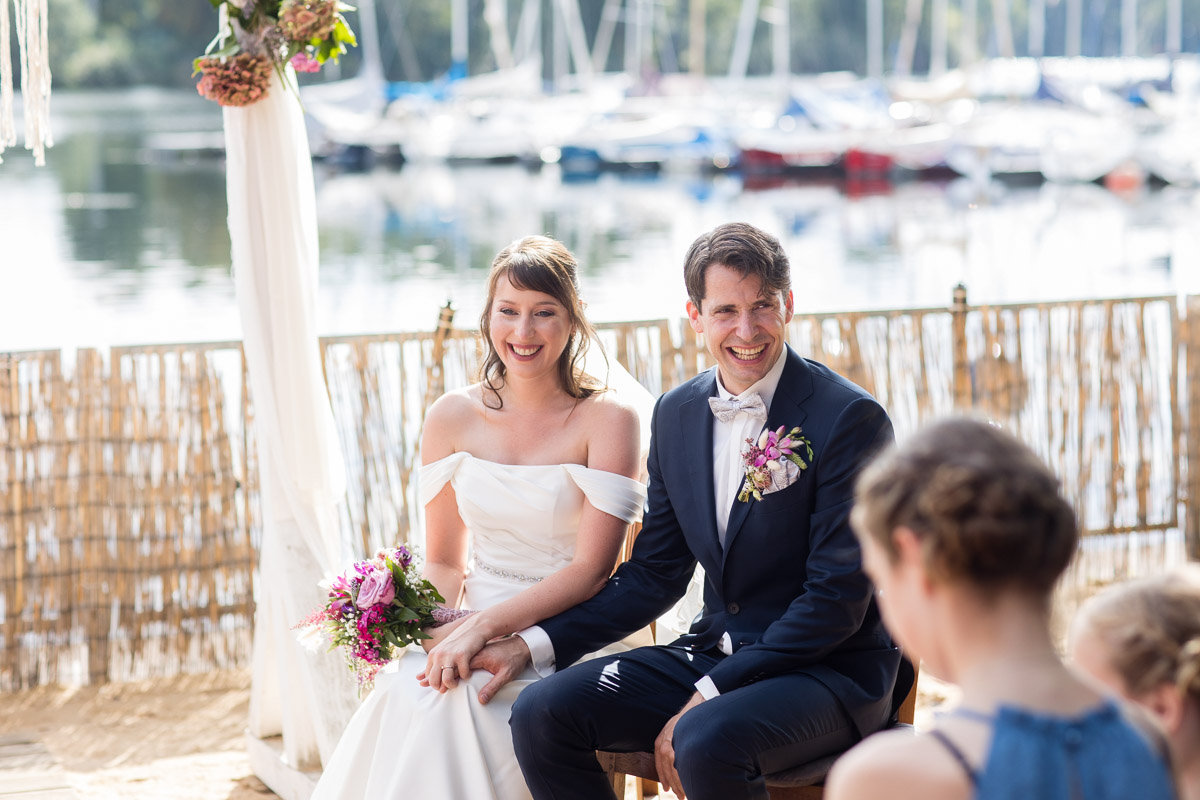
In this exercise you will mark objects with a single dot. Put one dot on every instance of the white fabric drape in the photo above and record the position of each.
(33, 44)
(273, 229)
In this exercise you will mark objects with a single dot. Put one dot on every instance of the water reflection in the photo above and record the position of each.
(121, 241)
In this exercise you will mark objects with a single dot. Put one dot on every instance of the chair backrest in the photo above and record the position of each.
(627, 547)
(908, 706)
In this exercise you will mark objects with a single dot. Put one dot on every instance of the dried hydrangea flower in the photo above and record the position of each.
(305, 20)
(236, 81)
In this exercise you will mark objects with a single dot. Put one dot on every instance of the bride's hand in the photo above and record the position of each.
(439, 633)
(449, 660)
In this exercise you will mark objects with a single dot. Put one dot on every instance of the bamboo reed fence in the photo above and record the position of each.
(128, 480)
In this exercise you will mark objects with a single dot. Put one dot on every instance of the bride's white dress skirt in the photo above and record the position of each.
(408, 741)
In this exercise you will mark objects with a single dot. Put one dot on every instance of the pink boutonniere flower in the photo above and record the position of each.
(774, 462)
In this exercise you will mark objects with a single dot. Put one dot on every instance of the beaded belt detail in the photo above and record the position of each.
(503, 573)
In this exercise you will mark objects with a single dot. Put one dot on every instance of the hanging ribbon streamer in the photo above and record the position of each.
(8, 131)
(32, 17)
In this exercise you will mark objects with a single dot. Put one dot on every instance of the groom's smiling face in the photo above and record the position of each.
(744, 327)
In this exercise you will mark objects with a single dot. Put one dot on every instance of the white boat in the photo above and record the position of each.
(1173, 153)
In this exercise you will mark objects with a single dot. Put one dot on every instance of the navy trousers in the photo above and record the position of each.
(723, 747)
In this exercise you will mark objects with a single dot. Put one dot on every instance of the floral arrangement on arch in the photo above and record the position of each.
(375, 608)
(258, 36)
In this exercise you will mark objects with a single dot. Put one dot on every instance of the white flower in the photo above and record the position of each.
(774, 466)
(762, 439)
(310, 638)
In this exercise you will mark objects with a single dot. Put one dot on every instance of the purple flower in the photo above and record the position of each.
(376, 588)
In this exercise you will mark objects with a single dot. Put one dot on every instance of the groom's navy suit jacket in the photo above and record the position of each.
(788, 585)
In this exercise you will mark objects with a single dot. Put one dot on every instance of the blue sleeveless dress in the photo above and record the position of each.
(1097, 755)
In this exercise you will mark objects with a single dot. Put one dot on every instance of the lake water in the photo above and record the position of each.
(118, 241)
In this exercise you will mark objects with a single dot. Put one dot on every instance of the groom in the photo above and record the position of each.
(789, 661)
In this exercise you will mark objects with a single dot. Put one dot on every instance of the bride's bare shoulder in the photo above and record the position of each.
(609, 410)
(613, 434)
(453, 411)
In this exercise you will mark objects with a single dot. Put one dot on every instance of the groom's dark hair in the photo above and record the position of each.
(741, 247)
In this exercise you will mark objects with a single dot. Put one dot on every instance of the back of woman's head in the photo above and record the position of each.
(1150, 628)
(540, 264)
(986, 510)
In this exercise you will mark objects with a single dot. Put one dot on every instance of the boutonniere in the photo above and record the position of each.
(773, 463)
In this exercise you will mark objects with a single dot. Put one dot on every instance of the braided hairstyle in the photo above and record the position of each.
(987, 512)
(1151, 630)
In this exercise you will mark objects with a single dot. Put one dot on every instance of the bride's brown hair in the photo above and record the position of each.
(540, 264)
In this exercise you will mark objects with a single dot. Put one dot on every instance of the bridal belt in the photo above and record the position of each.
(503, 573)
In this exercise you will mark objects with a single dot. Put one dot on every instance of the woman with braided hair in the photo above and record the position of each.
(1142, 639)
(965, 533)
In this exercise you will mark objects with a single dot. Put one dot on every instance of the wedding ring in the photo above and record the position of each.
(449, 667)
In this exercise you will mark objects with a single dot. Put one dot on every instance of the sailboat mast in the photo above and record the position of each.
(937, 43)
(1074, 46)
(781, 44)
(970, 32)
(368, 39)
(1037, 28)
(875, 38)
(740, 58)
(458, 38)
(1174, 27)
(1128, 28)
(697, 37)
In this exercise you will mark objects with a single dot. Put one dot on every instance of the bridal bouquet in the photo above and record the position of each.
(375, 608)
(257, 36)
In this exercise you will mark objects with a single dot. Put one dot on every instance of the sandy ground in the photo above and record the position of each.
(178, 738)
(169, 738)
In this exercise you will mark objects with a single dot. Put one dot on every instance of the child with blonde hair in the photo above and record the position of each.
(1142, 640)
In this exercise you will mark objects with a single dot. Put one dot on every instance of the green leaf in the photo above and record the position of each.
(231, 49)
(343, 34)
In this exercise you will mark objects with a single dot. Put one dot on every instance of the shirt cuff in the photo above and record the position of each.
(541, 650)
(707, 689)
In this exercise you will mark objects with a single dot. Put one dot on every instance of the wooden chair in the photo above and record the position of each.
(803, 782)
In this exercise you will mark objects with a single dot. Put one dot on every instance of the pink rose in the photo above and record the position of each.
(376, 588)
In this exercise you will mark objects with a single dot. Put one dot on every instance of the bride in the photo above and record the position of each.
(528, 483)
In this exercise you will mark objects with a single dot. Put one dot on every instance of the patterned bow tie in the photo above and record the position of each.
(725, 410)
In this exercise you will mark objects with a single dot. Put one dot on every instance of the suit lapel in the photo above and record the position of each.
(795, 385)
(696, 421)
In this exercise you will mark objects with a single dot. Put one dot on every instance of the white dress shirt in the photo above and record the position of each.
(728, 473)
(729, 442)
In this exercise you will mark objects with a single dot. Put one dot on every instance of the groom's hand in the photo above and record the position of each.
(505, 659)
(664, 749)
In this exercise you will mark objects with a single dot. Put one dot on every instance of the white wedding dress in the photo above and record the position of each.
(407, 741)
